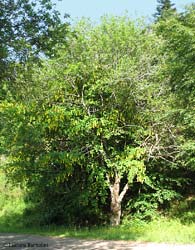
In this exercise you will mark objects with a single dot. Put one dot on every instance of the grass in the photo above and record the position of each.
(11, 202)
(162, 229)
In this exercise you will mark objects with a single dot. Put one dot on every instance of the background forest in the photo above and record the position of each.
(97, 122)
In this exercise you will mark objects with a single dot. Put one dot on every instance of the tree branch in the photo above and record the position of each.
(122, 194)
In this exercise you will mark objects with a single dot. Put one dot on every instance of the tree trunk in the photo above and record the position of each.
(116, 199)
(115, 217)
(115, 205)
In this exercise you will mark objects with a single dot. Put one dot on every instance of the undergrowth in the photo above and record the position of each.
(179, 228)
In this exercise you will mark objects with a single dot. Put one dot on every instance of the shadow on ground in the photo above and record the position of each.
(26, 242)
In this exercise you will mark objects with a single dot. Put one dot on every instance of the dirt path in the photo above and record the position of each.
(29, 242)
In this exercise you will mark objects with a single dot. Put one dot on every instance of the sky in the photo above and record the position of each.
(97, 8)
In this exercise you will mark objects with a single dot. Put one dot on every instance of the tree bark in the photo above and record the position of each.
(116, 199)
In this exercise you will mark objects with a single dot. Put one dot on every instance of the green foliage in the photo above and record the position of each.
(116, 100)
(29, 27)
(11, 203)
(86, 116)
(30, 30)
(159, 230)
(183, 209)
(178, 33)
(164, 10)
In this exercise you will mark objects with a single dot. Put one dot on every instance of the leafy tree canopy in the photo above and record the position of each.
(29, 30)
(179, 35)
(27, 27)
(95, 110)
(164, 9)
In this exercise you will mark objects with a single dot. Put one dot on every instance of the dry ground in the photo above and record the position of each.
(29, 242)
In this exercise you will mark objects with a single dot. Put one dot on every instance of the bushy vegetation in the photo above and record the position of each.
(11, 204)
(177, 226)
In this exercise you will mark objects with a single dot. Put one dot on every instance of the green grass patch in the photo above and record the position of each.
(161, 230)
(11, 204)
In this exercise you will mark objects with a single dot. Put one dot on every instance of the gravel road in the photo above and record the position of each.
(29, 242)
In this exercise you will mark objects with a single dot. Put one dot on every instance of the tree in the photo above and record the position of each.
(164, 9)
(179, 36)
(29, 30)
(27, 27)
(92, 119)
